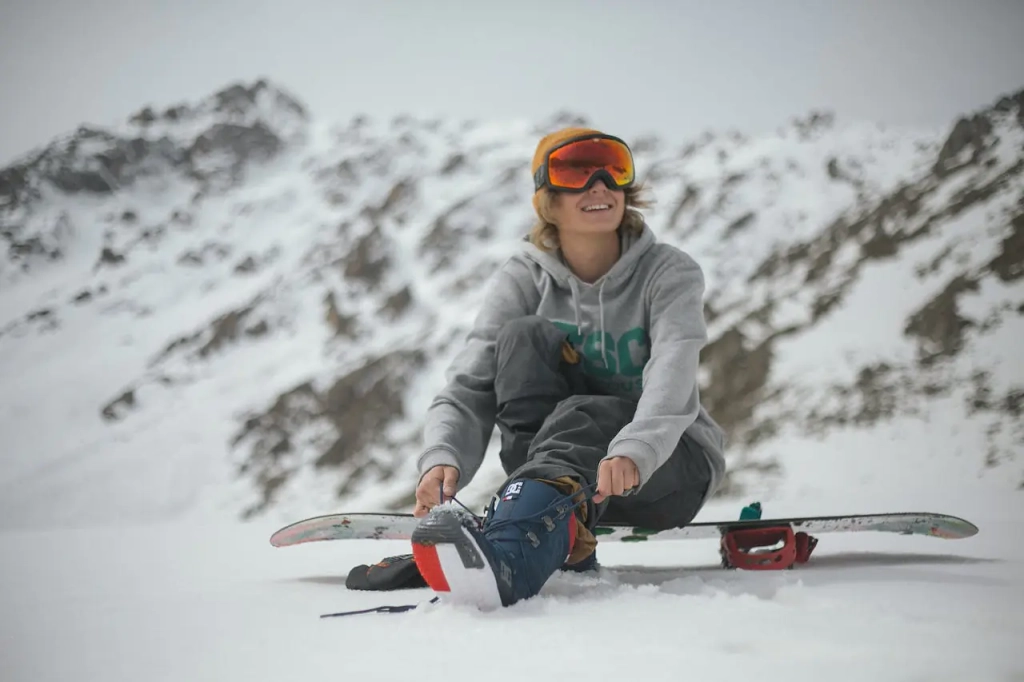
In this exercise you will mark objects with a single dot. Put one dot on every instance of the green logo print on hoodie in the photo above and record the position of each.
(620, 367)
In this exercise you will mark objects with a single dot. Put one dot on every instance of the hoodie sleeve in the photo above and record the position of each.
(669, 402)
(461, 418)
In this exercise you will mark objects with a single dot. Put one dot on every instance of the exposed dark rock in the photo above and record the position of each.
(1013, 403)
(448, 232)
(361, 404)
(877, 399)
(882, 244)
(211, 250)
(737, 376)
(242, 144)
(937, 262)
(246, 265)
(1012, 104)
(880, 392)
(339, 324)
(226, 329)
(968, 133)
(144, 117)
(397, 303)
(815, 122)
(109, 257)
(45, 245)
(257, 330)
(176, 113)
(240, 99)
(368, 259)
(938, 326)
(832, 168)
(358, 408)
(980, 399)
(454, 163)
(190, 258)
(973, 195)
(400, 196)
(741, 223)
(116, 408)
(113, 163)
(825, 303)
(1009, 263)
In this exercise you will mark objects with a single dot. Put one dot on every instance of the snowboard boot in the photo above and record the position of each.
(527, 536)
(390, 573)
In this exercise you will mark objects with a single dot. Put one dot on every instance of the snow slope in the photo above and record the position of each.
(216, 602)
(229, 308)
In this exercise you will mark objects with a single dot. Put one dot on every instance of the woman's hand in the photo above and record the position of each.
(616, 476)
(429, 489)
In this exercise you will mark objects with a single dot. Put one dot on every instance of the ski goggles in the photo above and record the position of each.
(577, 163)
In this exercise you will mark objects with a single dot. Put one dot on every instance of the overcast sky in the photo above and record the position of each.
(673, 67)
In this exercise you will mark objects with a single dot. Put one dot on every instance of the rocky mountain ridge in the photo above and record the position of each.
(241, 307)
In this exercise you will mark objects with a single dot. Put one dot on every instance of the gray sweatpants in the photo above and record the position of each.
(553, 424)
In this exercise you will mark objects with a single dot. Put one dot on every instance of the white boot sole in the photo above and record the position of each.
(457, 574)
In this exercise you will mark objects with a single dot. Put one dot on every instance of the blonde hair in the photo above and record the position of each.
(544, 234)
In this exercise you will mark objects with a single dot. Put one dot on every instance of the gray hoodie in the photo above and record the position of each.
(649, 310)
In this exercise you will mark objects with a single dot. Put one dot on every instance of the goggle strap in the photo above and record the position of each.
(540, 176)
(581, 138)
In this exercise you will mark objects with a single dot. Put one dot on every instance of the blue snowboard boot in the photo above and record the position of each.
(525, 538)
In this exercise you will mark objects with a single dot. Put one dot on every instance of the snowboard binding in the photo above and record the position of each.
(764, 548)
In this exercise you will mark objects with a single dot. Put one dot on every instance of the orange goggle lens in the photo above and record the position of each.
(571, 166)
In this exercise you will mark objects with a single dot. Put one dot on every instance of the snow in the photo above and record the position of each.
(210, 601)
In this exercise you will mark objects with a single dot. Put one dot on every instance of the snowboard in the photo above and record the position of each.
(379, 526)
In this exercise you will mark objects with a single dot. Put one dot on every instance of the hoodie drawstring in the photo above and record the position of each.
(600, 307)
(576, 305)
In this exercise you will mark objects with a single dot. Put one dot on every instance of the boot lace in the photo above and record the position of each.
(562, 505)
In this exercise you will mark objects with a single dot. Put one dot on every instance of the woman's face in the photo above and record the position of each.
(598, 210)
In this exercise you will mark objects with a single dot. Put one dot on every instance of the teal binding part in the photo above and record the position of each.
(751, 512)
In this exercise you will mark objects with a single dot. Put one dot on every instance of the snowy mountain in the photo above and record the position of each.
(230, 308)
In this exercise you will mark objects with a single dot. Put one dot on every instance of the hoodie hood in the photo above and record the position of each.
(633, 247)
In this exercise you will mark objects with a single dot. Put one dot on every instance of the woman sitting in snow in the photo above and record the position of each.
(585, 355)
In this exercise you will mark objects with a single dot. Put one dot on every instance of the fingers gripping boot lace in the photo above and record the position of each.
(560, 506)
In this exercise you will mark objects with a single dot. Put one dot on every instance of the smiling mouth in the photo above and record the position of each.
(596, 207)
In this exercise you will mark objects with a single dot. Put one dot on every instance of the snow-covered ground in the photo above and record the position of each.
(217, 602)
